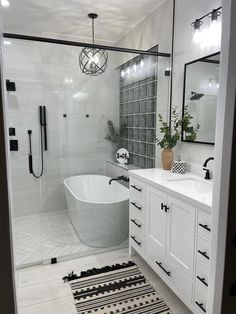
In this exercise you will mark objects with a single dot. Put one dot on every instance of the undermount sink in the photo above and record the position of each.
(192, 184)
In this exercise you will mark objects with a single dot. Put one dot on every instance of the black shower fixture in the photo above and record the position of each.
(10, 86)
(196, 96)
(43, 140)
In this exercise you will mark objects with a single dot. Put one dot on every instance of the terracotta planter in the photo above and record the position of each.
(167, 156)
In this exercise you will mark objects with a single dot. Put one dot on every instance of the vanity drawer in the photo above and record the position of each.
(137, 187)
(136, 240)
(204, 225)
(136, 222)
(200, 299)
(202, 275)
(137, 204)
(182, 283)
(203, 252)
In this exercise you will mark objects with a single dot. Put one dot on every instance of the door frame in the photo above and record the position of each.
(7, 291)
(222, 173)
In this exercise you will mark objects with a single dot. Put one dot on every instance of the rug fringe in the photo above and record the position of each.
(95, 271)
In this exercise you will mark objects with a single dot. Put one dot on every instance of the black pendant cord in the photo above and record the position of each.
(93, 30)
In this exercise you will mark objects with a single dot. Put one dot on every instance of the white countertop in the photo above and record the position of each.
(197, 191)
(123, 166)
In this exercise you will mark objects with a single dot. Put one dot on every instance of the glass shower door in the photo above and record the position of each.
(22, 61)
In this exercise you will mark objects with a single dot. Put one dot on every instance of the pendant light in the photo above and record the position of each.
(93, 61)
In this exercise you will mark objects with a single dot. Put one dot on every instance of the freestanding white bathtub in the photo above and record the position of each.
(98, 211)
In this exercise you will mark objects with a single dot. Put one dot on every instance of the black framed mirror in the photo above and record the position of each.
(200, 94)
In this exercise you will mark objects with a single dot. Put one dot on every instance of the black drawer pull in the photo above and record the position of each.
(167, 272)
(201, 306)
(135, 205)
(203, 254)
(133, 238)
(205, 227)
(134, 187)
(165, 207)
(203, 280)
(138, 225)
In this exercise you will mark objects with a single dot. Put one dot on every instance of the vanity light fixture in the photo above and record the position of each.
(211, 35)
(122, 73)
(5, 3)
(93, 61)
(197, 32)
(215, 27)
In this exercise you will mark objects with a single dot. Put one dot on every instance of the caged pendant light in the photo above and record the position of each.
(93, 61)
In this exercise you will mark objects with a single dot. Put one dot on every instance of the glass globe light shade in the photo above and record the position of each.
(93, 61)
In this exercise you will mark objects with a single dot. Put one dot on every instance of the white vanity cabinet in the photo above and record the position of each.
(173, 236)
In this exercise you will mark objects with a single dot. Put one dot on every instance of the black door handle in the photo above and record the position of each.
(201, 306)
(203, 254)
(167, 272)
(138, 225)
(135, 205)
(203, 280)
(165, 207)
(134, 187)
(133, 238)
(205, 227)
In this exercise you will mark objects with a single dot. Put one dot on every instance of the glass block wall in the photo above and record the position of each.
(138, 102)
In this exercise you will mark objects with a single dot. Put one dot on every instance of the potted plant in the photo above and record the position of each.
(114, 135)
(171, 135)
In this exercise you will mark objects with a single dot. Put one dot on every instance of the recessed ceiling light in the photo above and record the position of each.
(5, 3)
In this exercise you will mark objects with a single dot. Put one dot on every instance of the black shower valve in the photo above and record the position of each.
(12, 131)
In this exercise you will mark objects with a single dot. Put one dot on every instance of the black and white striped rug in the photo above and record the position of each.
(119, 288)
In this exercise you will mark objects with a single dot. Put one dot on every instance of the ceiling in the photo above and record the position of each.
(69, 17)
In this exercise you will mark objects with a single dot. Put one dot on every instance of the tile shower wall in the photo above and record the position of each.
(138, 103)
(78, 108)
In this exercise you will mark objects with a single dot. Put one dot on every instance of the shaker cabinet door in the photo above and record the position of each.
(181, 234)
(156, 219)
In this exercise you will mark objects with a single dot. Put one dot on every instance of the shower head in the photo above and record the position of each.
(196, 96)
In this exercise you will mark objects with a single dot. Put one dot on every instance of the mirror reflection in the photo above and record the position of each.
(201, 85)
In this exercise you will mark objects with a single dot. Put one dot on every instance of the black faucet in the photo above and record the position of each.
(120, 178)
(207, 175)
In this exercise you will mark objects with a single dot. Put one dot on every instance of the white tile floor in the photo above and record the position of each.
(43, 236)
(40, 289)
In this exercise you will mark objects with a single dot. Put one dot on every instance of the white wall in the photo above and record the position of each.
(152, 30)
(185, 51)
(76, 144)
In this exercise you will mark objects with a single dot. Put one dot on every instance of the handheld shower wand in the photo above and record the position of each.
(43, 125)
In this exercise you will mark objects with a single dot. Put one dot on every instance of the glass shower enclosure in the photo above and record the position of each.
(58, 118)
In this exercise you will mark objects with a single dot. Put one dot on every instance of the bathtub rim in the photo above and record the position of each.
(89, 202)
